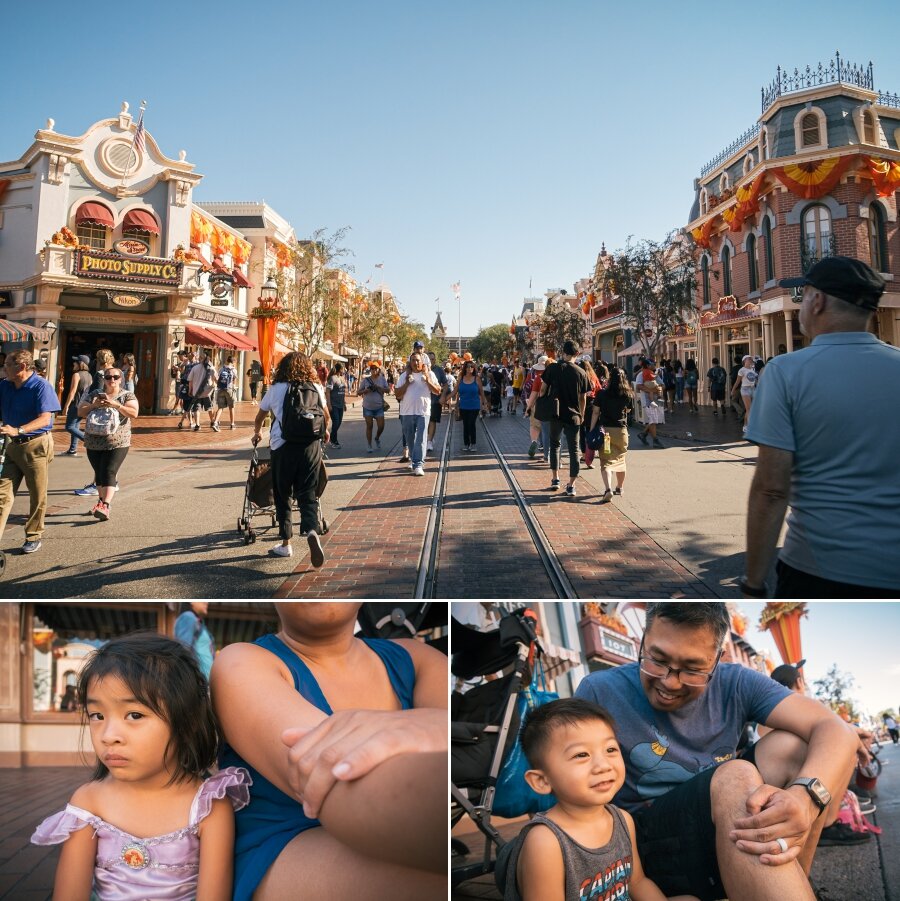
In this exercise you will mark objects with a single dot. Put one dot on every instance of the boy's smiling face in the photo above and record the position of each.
(582, 764)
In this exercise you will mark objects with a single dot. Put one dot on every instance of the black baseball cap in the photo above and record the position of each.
(82, 358)
(418, 345)
(788, 674)
(843, 277)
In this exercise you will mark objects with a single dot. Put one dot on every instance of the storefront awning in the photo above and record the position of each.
(351, 351)
(559, 660)
(240, 279)
(94, 213)
(18, 331)
(193, 334)
(140, 220)
(205, 263)
(329, 355)
(632, 350)
(234, 340)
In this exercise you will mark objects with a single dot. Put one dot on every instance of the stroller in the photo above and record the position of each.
(403, 620)
(259, 494)
(484, 724)
(496, 394)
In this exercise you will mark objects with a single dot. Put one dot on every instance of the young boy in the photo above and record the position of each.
(583, 848)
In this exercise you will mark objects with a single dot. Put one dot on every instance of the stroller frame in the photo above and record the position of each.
(477, 801)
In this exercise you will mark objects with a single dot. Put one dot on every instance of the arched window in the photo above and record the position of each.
(764, 144)
(704, 202)
(723, 182)
(817, 236)
(752, 263)
(93, 224)
(809, 130)
(877, 238)
(769, 248)
(704, 279)
(726, 269)
(749, 163)
(869, 128)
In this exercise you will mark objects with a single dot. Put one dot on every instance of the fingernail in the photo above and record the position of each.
(341, 770)
(307, 810)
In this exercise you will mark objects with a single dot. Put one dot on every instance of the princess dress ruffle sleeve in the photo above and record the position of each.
(161, 867)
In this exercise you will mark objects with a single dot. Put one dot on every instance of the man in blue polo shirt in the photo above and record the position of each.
(27, 405)
(825, 421)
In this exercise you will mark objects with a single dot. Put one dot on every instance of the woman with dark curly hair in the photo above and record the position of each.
(295, 466)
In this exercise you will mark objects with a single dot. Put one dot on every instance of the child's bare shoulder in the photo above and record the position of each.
(88, 796)
(540, 840)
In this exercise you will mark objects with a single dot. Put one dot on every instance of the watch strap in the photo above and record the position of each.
(807, 783)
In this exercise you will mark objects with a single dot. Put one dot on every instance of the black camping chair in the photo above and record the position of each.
(484, 724)
(403, 620)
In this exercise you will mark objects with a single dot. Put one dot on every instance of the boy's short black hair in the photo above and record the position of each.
(163, 675)
(541, 722)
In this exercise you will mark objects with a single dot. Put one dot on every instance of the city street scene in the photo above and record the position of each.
(476, 336)
(544, 667)
(61, 663)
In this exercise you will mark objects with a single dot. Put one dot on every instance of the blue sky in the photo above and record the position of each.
(862, 638)
(492, 142)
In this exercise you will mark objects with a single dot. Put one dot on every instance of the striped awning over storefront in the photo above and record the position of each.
(18, 331)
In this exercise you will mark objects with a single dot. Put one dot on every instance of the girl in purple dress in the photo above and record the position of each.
(148, 824)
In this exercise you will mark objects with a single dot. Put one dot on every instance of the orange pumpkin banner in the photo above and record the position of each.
(885, 175)
(240, 252)
(815, 178)
(265, 331)
(702, 234)
(747, 203)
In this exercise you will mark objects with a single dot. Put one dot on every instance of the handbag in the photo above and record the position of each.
(546, 407)
(596, 438)
(387, 406)
(514, 796)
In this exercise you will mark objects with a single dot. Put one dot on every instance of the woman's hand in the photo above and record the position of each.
(350, 743)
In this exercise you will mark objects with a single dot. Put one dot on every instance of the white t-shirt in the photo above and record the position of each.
(417, 400)
(273, 402)
(749, 378)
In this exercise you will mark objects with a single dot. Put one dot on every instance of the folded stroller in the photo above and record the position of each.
(403, 620)
(484, 724)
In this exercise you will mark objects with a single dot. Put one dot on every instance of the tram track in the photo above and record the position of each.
(430, 558)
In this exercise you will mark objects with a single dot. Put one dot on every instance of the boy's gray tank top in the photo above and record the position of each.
(592, 874)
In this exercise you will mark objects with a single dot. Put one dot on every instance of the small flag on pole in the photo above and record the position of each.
(455, 289)
(379, 265)
(139, 135)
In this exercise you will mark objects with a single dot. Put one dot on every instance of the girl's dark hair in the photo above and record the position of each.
(295, 367)
(541, 722)
(163, 675)
(618, 384)
(759, 365)
(690, 364)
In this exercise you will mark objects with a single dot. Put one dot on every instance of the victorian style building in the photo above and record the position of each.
(816, 175)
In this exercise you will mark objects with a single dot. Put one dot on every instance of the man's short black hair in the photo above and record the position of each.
(713, 615)
(541, 722)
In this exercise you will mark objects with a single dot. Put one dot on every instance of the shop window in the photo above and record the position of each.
(877, 238)
(139, 235)
(818, 240)
(92, 234)
(752, 263)
(769, 248)
(726, 270)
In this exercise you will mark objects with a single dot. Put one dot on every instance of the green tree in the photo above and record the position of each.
(560, 323)
(655, 281)
(834, 689)
(491, 343)
(439, 347)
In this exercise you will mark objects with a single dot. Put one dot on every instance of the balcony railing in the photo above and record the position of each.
(749, 135)
(814, 249)
(835, 71)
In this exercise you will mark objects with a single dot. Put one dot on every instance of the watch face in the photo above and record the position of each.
(821, 792)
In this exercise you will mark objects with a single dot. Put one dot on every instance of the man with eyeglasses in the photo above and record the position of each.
(27, 405)
(709, 823)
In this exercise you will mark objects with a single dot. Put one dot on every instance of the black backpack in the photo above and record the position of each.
(302, 416)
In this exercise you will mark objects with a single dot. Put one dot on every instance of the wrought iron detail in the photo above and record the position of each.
(813, 249)
(885, 98)
(835, 71)
(749, 135)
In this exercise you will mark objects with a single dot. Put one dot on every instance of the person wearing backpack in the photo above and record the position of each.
(201, 385)
(107, 414)
(226, 392)
(300, 423)
(336, 391)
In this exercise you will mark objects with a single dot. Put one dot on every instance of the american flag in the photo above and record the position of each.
(379, 265)
(139, 135)
(455, 288)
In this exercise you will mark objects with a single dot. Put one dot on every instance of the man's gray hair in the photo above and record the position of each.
(693, 615)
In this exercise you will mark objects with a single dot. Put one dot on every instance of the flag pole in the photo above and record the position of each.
(137, 131)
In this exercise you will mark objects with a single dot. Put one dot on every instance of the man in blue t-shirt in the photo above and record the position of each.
(709, 823)
(27, 405)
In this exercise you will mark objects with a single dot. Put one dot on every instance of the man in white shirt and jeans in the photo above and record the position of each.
(415, 387)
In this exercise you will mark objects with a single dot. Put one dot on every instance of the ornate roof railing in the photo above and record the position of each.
(885, 98)
(735, 145)
(835, 71)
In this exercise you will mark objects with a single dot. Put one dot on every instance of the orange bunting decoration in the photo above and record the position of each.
(813, 179)
(702, 234)
(885, 175)
(201, 229)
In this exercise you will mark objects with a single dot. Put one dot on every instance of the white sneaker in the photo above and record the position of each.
(281, 550)
(419, 471)
(378, 442)
(369, 451)
(431, 445)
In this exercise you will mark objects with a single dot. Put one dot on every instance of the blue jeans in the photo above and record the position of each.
(72, 420)
(416, 434)
(679, 389)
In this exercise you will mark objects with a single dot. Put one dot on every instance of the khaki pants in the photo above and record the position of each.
(29, 461)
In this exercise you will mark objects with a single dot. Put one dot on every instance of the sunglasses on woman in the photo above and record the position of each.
(112, 378)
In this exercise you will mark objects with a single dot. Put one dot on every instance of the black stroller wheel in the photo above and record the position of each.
(251, 536)
(241, 524)
(2, 564)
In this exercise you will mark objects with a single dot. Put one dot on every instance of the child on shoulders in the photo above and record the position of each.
(583, 848)
(158, 825)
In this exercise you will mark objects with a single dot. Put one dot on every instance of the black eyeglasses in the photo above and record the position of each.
(690, 677)
(112, 378)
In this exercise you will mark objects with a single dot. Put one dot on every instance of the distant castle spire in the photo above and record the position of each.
(438, 330)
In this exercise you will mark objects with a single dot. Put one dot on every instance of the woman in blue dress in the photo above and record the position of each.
(346, 742)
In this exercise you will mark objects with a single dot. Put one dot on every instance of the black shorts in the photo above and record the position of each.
(198, 403)
(676, 840)
(717, 392)
(436, 408)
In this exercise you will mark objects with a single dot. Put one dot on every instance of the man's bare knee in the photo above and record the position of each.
(731, 784)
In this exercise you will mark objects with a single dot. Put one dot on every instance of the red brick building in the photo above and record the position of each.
(817, 175)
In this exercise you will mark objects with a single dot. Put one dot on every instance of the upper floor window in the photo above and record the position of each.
(723, 182)
(818, 240)
(869, 128)
(752, 263)
(769, 248)
(92, 234)
(726, 270)
(749, 163)
(809, 129)
(764, 144)
(877, 238)
(93, 224)
(704, 202)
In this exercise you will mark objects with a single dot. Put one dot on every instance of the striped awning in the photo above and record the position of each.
(18, 331)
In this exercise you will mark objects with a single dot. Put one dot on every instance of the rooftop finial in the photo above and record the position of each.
(124, 108)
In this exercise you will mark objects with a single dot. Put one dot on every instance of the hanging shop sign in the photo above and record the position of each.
(132, 247)
(220, 287)
(682, 331)
(126, 300)
(214, 317)
(727, 309)
(604, 644)
(99, 264)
